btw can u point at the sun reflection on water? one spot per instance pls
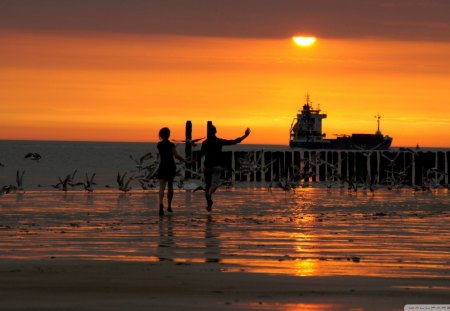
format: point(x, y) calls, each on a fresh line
point(307, 267)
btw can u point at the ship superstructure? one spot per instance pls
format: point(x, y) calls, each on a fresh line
point(306, 132)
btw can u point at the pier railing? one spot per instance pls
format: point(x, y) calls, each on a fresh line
point(391, 167)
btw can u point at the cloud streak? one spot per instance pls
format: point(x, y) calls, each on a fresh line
point(392, 19)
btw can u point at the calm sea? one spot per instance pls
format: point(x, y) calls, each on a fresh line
point(60, 158)
point(308, 232)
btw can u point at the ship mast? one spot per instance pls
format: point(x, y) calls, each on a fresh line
point(378, 124)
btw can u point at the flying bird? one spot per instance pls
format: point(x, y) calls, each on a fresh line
point(140, 162)
point(193, 142)
point(19, 180)
point(8, 189)
point(64, 183)
point(33, 156)
point(89, 185)
point(123, 186)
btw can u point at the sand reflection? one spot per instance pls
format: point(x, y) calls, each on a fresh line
point(212, 241)
point(310, 232)
point(166, 246)
point(298, 307)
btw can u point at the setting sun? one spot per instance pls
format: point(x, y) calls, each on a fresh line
point(304, 41)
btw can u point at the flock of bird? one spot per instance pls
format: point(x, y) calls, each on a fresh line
point(146, 166)
point(144, 172)
point(432, 178)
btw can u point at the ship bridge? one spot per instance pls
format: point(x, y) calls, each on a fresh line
point(308, 124)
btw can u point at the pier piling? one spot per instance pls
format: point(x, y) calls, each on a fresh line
point(188, 147)
point(386, 167)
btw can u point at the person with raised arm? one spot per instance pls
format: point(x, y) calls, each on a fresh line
point(212, 150)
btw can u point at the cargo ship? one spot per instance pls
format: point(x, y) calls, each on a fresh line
point(306, 133)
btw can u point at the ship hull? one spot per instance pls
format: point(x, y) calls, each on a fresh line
point(356, 141)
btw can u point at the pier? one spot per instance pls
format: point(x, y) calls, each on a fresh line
point(389, 167)
point(393, 167)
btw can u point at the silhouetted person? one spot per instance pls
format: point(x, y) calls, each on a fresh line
point(212, 150)
point(167, 168)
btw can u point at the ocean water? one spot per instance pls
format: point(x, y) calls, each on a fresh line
point(105, 159)
point(60, 158)
point(307, 231)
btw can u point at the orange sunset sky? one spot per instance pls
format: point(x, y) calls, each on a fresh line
point(105, 71)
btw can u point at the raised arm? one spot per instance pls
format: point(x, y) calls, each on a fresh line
point(237, 140)
point(247, 132)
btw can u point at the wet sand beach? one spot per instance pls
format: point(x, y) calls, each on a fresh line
point(79, 285)
point(309, 249)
